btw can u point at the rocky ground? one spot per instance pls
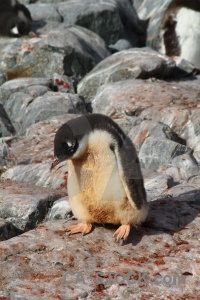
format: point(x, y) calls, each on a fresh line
point(90, 56)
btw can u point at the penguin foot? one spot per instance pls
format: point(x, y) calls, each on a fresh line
point(80, 227)
point(122, 232)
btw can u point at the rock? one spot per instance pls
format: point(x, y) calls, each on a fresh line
point(7, 230)
point(9, 52)
point(112, 20)
point(22, 85)
point(40, 174)
point(181, 168)
point(34, 162)
point(47, 1)
point(106, 22)
point(12, 53)
point(192, 133)
point(31, 104)
point(196, 152)
point(185, 67)
point(175, 104)
point(25, 2)
point(166, 245)
point(147, 128)
point(156, 184)
point(127, 123)
point(30, 206)
point(2, 78)
point(60, 210)
point(39, 139)
point(187, 190)
point(6, 127)
point(168, 27)
point(127, 64)
point(155, 99)
point(155, 152)
point(74, 49)
point(120, 45)
point(45, 12)
point(41, 1)
point(135, 30)
point(49, 105)
point(4, 153)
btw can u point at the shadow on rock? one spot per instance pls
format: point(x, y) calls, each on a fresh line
point(168, 215)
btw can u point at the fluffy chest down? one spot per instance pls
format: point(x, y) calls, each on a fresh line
point(94, 185)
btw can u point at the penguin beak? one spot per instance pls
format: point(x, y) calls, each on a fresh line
point(55, 163)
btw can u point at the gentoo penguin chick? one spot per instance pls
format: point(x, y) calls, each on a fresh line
point(15, 18)
point(105, 183)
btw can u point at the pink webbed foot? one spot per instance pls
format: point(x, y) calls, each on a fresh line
point(122, 232)
point(83, 228)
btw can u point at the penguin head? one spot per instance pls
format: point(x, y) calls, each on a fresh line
point(70, 141)
point(65, 144)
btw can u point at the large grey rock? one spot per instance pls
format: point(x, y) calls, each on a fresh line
point(51, 104)
point(155, 152)
point(25, 85)
point(175, 104)
point(25, 205)
point(168, 27)
point(74, 49)
point(45, 12)
point(40, 174)
point(127, 64)
point(28, 104)
point(112, 20)
point(9, 51)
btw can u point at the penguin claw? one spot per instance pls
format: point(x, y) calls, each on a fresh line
point(83, 228)
point(122, 232)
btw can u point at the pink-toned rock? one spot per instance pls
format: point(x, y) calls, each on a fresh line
point(128, 64)
point(162, 256)
point(38, 144)
point(175, 104)
point(33, 164)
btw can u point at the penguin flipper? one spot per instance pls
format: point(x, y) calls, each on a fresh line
point(130, 174)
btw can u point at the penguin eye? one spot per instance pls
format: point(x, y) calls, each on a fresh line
point(69, 144)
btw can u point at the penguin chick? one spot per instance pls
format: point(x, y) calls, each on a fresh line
point(105, 183)
point(15, 18)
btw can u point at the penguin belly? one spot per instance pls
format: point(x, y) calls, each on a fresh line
point(96, 192)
